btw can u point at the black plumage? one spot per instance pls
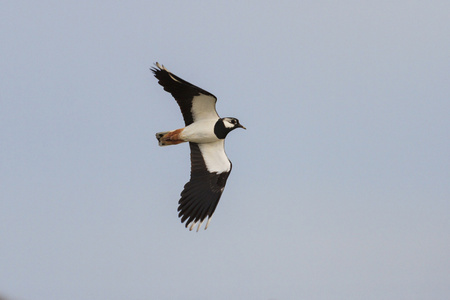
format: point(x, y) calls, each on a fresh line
point(181, 90)
point(202, 193)
point(205, 131)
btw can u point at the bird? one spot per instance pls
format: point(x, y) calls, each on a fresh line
point(205, 132)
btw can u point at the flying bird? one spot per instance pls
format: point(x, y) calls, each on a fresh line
point(205, 131)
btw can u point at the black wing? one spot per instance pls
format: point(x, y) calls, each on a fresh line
point(195, 103)
point(202, 193)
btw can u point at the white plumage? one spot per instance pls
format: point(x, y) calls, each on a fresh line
point(205, 131)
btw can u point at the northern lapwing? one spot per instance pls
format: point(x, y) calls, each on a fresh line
point(205, 131)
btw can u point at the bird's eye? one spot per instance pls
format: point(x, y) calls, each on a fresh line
point(233, 121)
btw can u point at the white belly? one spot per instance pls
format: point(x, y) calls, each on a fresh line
point(200, 132)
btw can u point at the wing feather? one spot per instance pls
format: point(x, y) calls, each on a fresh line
point(195, 103)
point(202, 193)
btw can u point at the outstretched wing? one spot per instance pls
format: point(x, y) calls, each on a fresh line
point(210, 168)
point(195, 103)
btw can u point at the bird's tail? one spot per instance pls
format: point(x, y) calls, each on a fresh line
point(159, 137)
point(167, 138)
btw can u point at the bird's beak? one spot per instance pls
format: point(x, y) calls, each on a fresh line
point(242, 127)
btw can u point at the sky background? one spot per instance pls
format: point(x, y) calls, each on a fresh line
point(340, 186)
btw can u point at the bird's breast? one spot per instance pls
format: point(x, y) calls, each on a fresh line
point(200, 132)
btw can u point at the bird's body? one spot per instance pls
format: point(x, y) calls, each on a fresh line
point(198, 132)
point(205, 131)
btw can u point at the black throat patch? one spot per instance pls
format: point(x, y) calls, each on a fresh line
point(220, 130)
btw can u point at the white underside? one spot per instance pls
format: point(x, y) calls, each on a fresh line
point(215, 157)
point(212, 148)
point(200, 132)
point(203, 108)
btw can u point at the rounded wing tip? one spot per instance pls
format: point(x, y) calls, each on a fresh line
point(198, 223)
point(161, 67)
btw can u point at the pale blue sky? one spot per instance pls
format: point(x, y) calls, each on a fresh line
point(340, 187)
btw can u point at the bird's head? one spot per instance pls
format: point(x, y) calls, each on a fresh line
point(225, 125)
point(232, 123)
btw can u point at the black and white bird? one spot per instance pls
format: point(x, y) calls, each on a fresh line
point(205, 131)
